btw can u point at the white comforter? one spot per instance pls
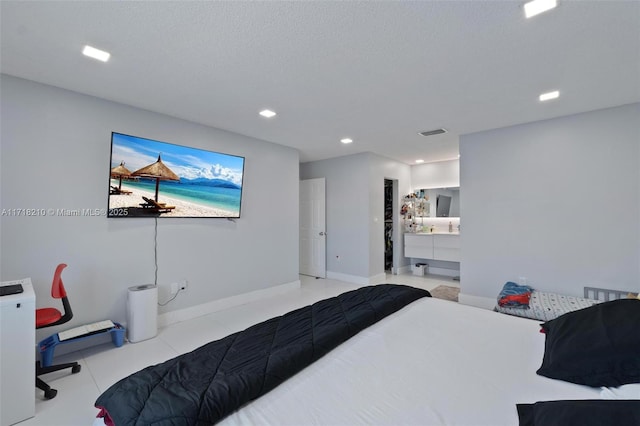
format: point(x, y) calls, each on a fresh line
point(432, 363)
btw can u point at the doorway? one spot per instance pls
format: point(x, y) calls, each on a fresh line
point(312, 228)
point(388, 225)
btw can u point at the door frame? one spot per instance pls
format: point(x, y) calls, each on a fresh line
point(313, 240)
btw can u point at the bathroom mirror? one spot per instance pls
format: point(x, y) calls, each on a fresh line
point(444, 202)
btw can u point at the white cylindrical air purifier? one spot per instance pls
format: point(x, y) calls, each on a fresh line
point(142, 312)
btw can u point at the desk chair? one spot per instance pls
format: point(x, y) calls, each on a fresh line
point(48, 317)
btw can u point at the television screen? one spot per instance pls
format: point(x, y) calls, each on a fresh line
point(149, 178)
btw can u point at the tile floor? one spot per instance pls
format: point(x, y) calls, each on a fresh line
point(103, 365)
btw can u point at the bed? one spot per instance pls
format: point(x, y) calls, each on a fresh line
point(436, 362)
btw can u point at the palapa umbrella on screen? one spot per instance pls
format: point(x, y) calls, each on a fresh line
point(158, 171)
point(118, 172)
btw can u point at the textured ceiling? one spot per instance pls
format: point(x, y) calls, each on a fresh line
point(378, 72)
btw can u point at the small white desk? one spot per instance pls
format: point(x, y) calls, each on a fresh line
point(17, 355)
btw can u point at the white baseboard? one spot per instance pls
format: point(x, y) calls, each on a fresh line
point(180, 315)
point(356, 279)
point(477, 301)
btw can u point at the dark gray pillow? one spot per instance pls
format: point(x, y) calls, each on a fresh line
point(583, 413)
point(596, 346)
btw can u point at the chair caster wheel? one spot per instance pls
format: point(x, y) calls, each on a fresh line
point(75, 369)
point(50, 394)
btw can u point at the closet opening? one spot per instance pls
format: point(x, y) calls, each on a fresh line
point(388, 225)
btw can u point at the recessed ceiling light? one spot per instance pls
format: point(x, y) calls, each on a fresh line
point(420, 161)
point(549, 95)
point(346, 140)
point(267, 113)
point(536, 7)
point(94, 53)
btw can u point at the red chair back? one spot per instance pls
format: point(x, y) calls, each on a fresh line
point(57, 287)
point(46, 317)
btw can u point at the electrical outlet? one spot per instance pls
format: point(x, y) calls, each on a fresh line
point(522, 280)
point(338, 258)
point(179, 286)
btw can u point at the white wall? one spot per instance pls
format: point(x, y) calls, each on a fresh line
point(556, 201)
point(55, 154)
point(347, 211)
point(382, 168)
point(355, 213)
point(440, 174)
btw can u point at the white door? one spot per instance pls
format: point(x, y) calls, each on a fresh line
point(312, 228)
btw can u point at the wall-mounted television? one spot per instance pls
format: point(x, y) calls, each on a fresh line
point(150, 178)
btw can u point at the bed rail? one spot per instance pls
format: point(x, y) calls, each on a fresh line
point(604, 294)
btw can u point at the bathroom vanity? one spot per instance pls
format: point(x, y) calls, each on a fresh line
point(435, 246)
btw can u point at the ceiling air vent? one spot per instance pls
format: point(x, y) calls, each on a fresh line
point(433, 132)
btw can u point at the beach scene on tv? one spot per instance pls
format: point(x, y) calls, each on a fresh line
point(150, 178)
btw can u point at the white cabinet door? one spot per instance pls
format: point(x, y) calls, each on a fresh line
point(312, 228)
point(446, 247)
point(17, 359)
point(418, 246)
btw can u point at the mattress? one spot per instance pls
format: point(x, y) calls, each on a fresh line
point(545, 306)
point(433, 363)
point(206, 384)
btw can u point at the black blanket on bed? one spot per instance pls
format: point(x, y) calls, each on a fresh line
point(204, 386)
point(588, 412)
